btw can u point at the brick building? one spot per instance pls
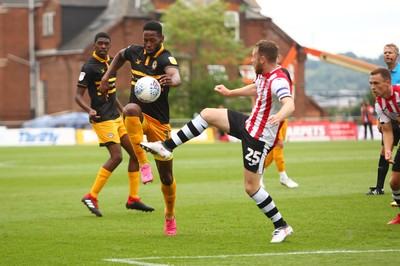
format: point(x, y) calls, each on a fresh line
point(43, 44)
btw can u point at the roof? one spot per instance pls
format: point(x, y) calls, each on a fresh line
point(74, 17)
point(19, 3)
point(96, 19)
point(253, 10)
point(82, 19)
point(84, 3)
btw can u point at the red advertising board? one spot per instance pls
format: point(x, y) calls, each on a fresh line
point(321, 131)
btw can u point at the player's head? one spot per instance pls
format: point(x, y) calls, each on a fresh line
point(153, 26)
point(102, 35)
point(264, 52)
point(380, 82)
point(152, 36)
point(102, 44)
point(390, 53)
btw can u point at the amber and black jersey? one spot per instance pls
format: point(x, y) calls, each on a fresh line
point(90, 78)
point(142, 65)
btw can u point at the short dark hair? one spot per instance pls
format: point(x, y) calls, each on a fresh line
point(153, 25)
point(384, 72)
point(269, 49)
point(101, 35)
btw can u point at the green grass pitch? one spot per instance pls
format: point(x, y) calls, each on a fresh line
point(43, 222)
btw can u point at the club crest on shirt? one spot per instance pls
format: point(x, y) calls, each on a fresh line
point(82, 76)
point(154, 65)
point(138, 62)
point(172, 60)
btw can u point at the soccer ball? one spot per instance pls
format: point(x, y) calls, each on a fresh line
point(147, 89)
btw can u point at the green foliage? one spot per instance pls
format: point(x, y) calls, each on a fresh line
point(191, 97)
point(203, 40)
point(43, 222)
point(325, 77)
point(204, 35)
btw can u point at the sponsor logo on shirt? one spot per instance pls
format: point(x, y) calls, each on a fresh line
point(82, 76)
point(172, 60)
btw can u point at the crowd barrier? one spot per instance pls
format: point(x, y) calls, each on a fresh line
point(296, 131)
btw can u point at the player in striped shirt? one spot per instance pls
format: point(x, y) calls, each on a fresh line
point(387, 107)
point(258, 131)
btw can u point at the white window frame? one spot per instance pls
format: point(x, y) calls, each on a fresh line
point(218, 72)
point(48, 23)
point(232, 21)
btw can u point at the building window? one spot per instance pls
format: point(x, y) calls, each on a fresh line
point(48, 23)
point(218, 72)
point(232, 23)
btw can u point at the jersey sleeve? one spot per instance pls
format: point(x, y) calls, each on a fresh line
point(382, 117)
point(84, 76)
point(128, 53)
point(281, 88)
point(169, 61)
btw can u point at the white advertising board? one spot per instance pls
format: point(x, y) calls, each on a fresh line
point(37, 136)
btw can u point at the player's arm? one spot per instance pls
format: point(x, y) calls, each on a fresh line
point(117, 63)
point(171, 78)
point(387, 135)
point(80, 91)
point(120, 106)
point(248, 90)
point(286, 110)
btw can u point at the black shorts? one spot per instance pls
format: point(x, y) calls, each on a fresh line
point(254, 151)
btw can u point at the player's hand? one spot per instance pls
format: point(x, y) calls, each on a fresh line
point(274, 120)
point(165, 80)
point(379, 126)
point(103, 88)
point(388, 157)
point(221, 89)
point(93, 115)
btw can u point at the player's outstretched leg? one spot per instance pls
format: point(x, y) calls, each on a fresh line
point(189, 131)
point(281, 233)
point(157, 148)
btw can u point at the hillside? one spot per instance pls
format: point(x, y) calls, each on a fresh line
point(336, 86)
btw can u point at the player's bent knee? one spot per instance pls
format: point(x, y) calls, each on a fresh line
point(205, 113)
point(132, 109)
point(210, 115)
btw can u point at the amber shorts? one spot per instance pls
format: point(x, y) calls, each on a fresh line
point(155, 131)
point(110, 131)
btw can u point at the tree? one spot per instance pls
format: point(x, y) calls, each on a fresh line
point(197, 32)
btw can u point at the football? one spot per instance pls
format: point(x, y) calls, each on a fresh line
point(147, 89)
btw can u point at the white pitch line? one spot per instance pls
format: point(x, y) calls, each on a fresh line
point(138, 261)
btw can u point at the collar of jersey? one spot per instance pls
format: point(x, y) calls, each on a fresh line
point(267, 75)
point(158, 52)
point(101, 60)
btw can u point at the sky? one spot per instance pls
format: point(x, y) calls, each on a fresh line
point(359, 26)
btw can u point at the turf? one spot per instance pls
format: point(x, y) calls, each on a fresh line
point(43, 222)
